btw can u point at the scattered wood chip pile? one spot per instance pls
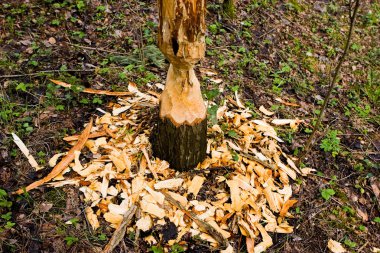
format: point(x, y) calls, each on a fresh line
point(243, 185)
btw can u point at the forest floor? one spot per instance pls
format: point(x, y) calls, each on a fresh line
point(270, 49)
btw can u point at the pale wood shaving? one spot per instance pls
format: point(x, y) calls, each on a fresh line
point(20, 144)
point(196, 185)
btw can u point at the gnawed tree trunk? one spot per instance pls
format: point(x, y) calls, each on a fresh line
point(180, 136)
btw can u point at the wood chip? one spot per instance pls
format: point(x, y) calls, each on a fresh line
point(237, 203)
point(265, 111)
point(20, 144)
point(92, 218)
point(144, 223)
point(168, 184)
point(152, 209)
point(196, 185)
point(288, 204)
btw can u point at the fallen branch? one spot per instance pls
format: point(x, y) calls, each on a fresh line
point(202, 224)
point(63, 163)
point(332, 83)
point(98, 49)
point(119, 233)
point(93, 91)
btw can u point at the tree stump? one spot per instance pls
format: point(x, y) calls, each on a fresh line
point(181, 133)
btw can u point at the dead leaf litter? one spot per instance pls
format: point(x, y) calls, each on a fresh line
point(254, 197)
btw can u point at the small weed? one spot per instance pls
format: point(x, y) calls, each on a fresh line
point(211, 94)
point(70, 240)
point(327, 193)
point(80, 5)
point(176, 248)
point(5, 206)
point(331, 143)
point(102, 237)
point(232, 134)
point(156, 249)
point(97, 100)
point(74, 221)
point(213, 28)
point(212, 110)
point(23, 86)
point(350, 243)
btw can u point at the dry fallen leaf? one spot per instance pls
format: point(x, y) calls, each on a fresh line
point(335, 247)
point(45, 207)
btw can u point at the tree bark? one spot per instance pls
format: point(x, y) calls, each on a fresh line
point(180, 135)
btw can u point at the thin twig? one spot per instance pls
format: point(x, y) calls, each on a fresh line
point(332, 84)
point(47, 72)
point(54, 71)
point(98, 49)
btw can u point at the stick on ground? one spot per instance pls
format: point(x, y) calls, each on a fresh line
point(119, 233)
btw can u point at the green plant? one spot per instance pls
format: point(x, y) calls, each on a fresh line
point(211, 94)
point(327, 193)
point(331, 143)
point(97, 100)
point(70, 240)
point(23, 86)
point(102, 237)
point(212, 110)
point(176, 248)
point(5, 206)
point(350, 243)
point(213, 28)
point(372, 86)
point(157, 249)
point(55, 22)
point(4, 202)
point(80, 5)
point(232, 134)
point(74, 221)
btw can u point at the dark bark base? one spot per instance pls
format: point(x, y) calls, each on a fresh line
point(183, 147)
